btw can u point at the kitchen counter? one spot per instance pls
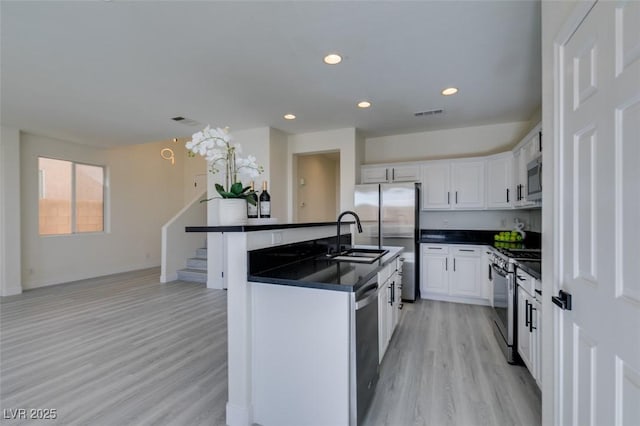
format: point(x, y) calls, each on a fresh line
point(322, 273)
point(474, 237)
point(532, 268)
point(262, 227)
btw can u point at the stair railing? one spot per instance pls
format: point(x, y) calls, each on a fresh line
point(178, 245)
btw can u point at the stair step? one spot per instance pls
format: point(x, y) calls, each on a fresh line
point(197, 263)
point(201, 253)
point(192, 275)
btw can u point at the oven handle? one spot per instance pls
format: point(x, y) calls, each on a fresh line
point(498, 270)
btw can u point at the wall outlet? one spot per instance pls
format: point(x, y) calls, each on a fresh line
point(445, 223)
point(276, 237)
point(503, 223)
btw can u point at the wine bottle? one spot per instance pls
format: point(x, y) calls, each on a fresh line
point(265, 201)
point(252, 204)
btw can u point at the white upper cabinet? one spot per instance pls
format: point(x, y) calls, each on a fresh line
point(526, 151)
point(467, 184)
point(457, 184)
point(500, 193)
point(387, 174)
point(436, 191)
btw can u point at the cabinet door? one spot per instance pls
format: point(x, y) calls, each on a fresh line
point(383, 337)
point(374, 175)
point(536, 343)
point(499, 182)
point(435, 186)
point(524, 335)
point(467, 184)
point(434, 273)
point(405, 174)
point(466, 276)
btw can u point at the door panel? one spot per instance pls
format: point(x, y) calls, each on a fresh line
point(596, 225)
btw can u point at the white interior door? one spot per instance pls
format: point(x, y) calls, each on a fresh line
point(596, 223)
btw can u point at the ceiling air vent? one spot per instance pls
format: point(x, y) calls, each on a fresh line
point(186, 121)
point(430, 112)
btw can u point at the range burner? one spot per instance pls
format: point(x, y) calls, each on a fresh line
point(525, 254)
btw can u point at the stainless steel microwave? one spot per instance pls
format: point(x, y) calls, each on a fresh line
point(534, 180)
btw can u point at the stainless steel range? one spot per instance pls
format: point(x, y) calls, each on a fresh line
point(503, 268)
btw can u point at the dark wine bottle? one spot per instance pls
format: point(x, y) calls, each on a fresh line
point(265, 201)
point(252, 204)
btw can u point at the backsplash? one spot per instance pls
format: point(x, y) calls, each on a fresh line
point(481, 219)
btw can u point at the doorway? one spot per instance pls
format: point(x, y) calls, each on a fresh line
point(316, 186)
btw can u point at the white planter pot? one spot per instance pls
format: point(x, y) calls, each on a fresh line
point(229, 211)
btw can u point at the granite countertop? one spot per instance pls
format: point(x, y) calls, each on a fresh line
point(262, 227)
point(322, 273)
point(474, 237)
point(531, 267)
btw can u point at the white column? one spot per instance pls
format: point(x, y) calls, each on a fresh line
point(10, 249)
point(239, 405)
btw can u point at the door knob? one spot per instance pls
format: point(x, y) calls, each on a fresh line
point(562, 300)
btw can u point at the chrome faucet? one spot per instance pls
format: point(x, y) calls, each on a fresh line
point(340, 220)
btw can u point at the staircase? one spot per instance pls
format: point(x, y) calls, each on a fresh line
point(196, 270)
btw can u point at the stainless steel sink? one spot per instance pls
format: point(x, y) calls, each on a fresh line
point(359, 255)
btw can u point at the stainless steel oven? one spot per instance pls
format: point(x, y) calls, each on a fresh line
point(504, 306)
point(364, 366)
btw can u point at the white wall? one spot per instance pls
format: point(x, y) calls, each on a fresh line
point(10, 271)
point(342, 140)
point(144, 192)
point(278, 173)
point(480, 219)
point(193, 166)
point(450, 143)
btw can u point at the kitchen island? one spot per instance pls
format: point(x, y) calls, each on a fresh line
point(292, 323)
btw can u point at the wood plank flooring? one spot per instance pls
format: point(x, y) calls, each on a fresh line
point(444, 367)
point(117, 350)
point(127, 350)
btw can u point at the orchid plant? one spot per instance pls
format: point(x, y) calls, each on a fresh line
point(221, 155)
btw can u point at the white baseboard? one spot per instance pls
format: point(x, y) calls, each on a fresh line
point(238, 415)
point(455, 299)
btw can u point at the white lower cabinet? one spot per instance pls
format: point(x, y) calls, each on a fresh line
point(529, 332)
point(389, 302)
point(453, 273)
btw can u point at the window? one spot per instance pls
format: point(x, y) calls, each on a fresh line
point(71, 197)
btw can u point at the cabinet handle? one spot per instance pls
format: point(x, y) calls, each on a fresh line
point(454, 264)
point(393, 174)
point(540, 141)
point(531, 309)
point(446, 263)
point(456, 197)
point(519, 194)
point(434, 248)
point(527, 321)
point(471, 250)
point(386, 174)
point(448, 197)
point(391, 294)
point(490, 275)
point(507, 195)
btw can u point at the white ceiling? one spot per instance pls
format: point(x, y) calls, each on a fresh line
point(110, 73)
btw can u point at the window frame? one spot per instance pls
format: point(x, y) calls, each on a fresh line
point(105, 186)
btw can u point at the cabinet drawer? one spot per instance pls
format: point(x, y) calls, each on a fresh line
point(467, 251)
point(435, 249)
point(526, 281)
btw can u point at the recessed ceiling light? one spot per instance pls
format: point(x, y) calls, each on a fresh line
point(449, 91)
point(289, 117)
point(364, 104)
point(332, 59)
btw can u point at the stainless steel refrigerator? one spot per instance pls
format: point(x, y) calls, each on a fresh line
point(390, 216)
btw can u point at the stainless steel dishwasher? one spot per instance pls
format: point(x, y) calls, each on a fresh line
point(364, 367)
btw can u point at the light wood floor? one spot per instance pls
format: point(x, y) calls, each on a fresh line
point(126, 349)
